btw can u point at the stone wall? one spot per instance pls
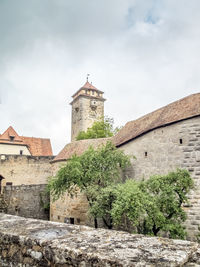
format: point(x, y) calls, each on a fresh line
point(29, 242)
point(157, 152)
point(19, 169)
point(164, 150)
point(30, 201)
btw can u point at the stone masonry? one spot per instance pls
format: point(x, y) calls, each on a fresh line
point(30, 201)
point(87, 107)
point(165, 149)
point(21, 169)
point(41, 243)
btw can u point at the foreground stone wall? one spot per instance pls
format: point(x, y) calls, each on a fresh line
point(29, 201)
point(19, 169)
point(29, 242)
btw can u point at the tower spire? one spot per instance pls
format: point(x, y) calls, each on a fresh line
point(87, 77)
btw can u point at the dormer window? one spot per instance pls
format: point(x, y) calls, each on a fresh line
point(12, 138)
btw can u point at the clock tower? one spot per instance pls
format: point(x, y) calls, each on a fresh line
point(87, 107)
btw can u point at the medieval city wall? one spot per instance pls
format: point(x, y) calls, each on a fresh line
point(27, 170)
point(29, 242)
point(164, 150)
point(157, 152)
point(69, 209)
point(30, 201)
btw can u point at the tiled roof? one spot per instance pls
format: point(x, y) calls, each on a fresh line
point(8, 134)
point(36, 146)
point(88, 85)
point(78, 147)
point(182, 109)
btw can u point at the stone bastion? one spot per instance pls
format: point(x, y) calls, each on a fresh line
point(30, 242)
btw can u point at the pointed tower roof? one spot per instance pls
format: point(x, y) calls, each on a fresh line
point(10, 135)
point(88, 90)
point(88, 85)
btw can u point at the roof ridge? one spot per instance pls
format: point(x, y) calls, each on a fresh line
point(181, 109)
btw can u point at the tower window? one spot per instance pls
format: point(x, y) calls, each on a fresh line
point(92, 92)
point(21, 152)
point(145, 153)
point(71, 220)
point(181, 141)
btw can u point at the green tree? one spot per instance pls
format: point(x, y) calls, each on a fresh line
point(89, 173)
point(100, 129)
point(154, 206)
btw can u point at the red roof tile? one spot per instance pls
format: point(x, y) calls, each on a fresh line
point(9, 134)
point(78, 147)
point(88, 85)
point(36, 146)
point(182, 109)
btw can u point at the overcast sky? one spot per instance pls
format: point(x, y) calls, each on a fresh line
point(143, 54)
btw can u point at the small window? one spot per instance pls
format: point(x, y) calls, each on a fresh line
point(78, 220)
point(21, 152)
point(71, 220)
point(12, 138)
point(181, 141)
point(145, 153)
point(58, 217)
point(92, 92)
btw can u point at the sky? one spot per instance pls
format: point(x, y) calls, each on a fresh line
point(143, 54)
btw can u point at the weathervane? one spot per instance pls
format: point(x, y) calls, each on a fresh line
point(87, 77)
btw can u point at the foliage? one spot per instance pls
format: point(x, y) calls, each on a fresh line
point(100, 129)
point(90, 172)
point(154, 206)
point(103, 204)
point(198, 235)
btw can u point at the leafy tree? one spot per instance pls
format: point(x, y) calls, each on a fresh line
point(154, 206)
point(100, 129)
point(103, 204)
point(89, 173)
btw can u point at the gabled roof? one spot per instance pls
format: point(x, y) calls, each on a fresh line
point(11, 136)
point(78, 147)
point(10, 132)
point(36, 146)
point(180, 110)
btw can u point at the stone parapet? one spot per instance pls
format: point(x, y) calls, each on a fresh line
point(29, 242)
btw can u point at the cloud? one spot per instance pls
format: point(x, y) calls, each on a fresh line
point(143, 54)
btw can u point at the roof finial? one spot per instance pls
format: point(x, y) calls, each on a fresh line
point(87, 77)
